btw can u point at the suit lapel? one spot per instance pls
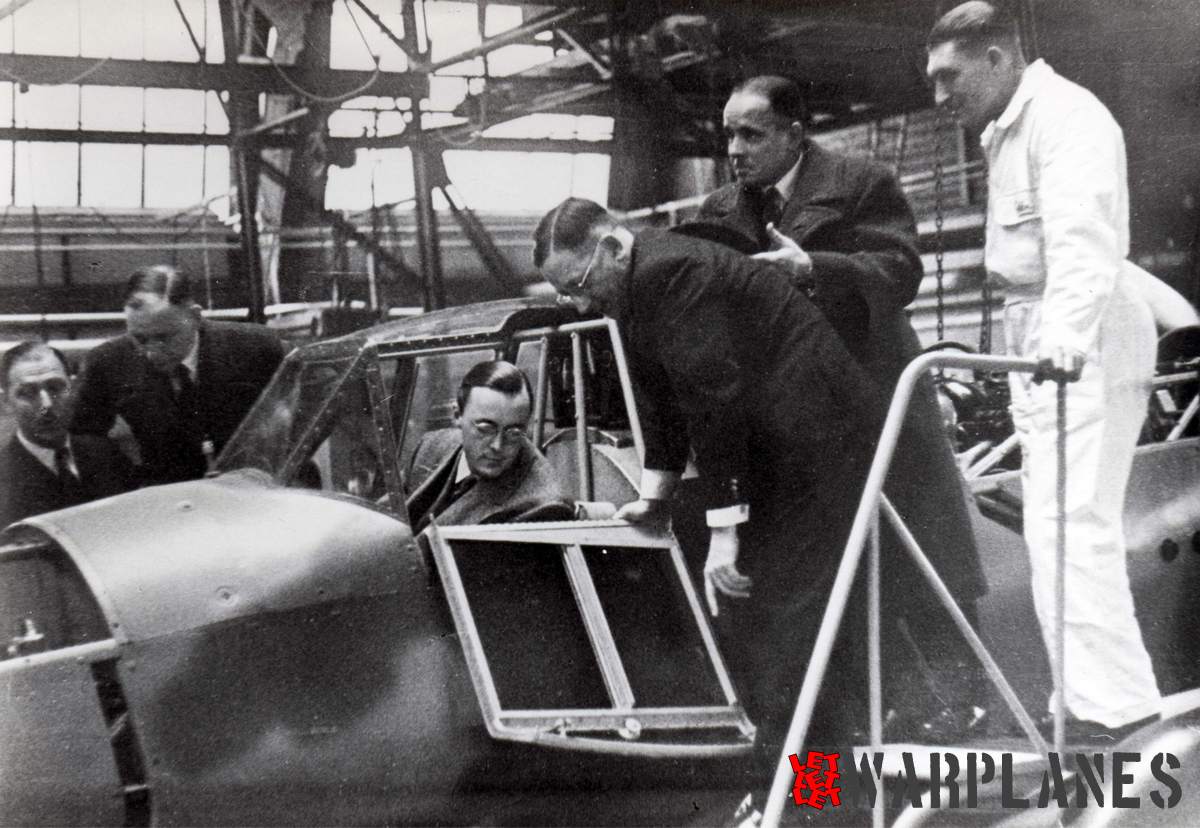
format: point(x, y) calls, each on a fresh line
point(37, 486)
point(434, 486)
point(812, 204)
point(210, 356)
point(487, 497)
point(743, 214)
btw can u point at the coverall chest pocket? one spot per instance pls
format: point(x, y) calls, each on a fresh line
point(1015, 247)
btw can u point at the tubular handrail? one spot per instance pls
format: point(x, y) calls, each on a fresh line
point(865, 521)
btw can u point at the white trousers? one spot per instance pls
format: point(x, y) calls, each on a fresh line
point(1108, 676)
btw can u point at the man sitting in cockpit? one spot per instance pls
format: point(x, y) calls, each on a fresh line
point(485, 469)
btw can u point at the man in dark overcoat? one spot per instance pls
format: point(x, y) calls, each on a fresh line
point(729, 358)
point(842, 227)
point(182, 383)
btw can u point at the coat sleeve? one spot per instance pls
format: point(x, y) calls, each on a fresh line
point(664, 428)
point(697, 348)
point(1081, 177)
point(95, 409)
point(879, 263)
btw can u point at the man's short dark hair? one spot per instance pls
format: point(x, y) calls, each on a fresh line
point(166, 281)
point(783, 95)
point(497, 375)
point(23, 350)
point(975, 24)
point(567, 226)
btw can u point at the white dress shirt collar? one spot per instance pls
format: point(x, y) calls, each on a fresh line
point(787, 185)
point(192, 360)
point(462, 471)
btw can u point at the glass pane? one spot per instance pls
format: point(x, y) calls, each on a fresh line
point(452, 28)
point(653, 627)
point(6, 171)
point(53, 107)
point(287, 412)
point(174, 110)
point(346, 48)
point(6, 104)
point(111, 107)
point(589, 176)
point(532, 632)
point(603, 395)
point(509, 60)
point(388, 171)
point(217, 180)
point(173, 176)
point(47, 173)
point(47, 29)
point(214, 114)
point(347, 461)
point(164, 35)
point(112, 175)
point(112, 28)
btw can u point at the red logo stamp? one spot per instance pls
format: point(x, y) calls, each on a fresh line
point(815, 780)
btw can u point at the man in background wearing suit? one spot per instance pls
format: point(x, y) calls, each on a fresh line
point(842, 228)
point(182, 383)
point(43, 468)
point(485, 470)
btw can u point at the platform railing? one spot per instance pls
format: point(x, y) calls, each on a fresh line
point(864, 531)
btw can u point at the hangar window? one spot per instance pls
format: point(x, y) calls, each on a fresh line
point(590, 633)
point(45, 604)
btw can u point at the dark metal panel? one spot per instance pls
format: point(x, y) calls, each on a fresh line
point(347, 712)
point(56, 764)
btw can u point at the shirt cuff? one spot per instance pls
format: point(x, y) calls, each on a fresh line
point(657, 484)
point(727, 516)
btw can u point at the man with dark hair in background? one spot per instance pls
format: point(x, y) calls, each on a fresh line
point(43, 468)
point(1057, 238)
point(485, 469)
point(182, 383)
point(728, 358)
point(843, 229)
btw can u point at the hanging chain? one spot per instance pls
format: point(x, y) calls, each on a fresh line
point(938, 221)
point(985, 322)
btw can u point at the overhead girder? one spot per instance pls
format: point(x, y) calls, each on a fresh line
point(236, 77)
point(286, 140)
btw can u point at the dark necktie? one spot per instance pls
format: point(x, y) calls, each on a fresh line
point(461, 488)
point(70, 485)
point(449, 494)
point(185, 389)
point(185, 400)
point(772, 209)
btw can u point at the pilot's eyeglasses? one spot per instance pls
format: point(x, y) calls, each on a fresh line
point(569, 289)
point(488, 431)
